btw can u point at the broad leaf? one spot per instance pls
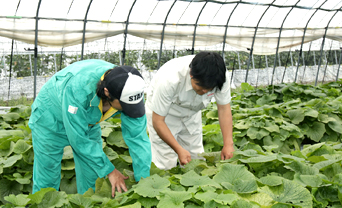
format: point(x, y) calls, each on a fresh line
point(18, 200)
point(151, 186)
point(173, 199)
point(21, 147)
point(80, 200)
point(296, 115)
point(219, 198)
point(290, 193)
point(115, 138)
point(191, 178)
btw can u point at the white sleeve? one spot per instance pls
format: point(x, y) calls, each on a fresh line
point(223, 96)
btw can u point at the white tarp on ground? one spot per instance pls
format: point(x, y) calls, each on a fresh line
point(61, 24)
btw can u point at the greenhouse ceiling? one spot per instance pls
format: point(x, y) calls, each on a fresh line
point(260, 27)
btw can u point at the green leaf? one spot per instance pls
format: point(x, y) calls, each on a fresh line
point(245, 87)
point(260, 159)
point(9, 187)
point(324, 164)
point(11, 133)
point(324, 118)
point(111, 154)
point(219, 198)
point(151, 186)
point(271, 126)
point(212, 115)
point(115, 138)
point(290, 193)
point(68, 154)
point(10, 116)
point(271, 180)
point(236, 177)
point(211, 157)
point(68, 164)
point(311, 112)
point(242, 124)
point(308, 180)
point(11, 160)
point(18, 200)
point(266, 99)
point(191, 178)
point(316, 131)
point(336, 126)
point(302, 168)
point(37, 197)
point(308, 150)
point(106, 131)
point(211, 129)
point(126, 158)
point(7, 151)
point(21, 147)
point(257, 133)
point(80, 200)
point(135, 205)
point(148, 202)
point(241, 204)
point(53, 199)
point(103, 188)
point(26, 179)
point(263, 199)
point(242, 186)
point(68, 185)
point(296, 115)
point(173, 199)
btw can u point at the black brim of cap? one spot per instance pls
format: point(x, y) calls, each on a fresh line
point(133, 110)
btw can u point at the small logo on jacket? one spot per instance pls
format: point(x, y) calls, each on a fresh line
point(72, 109)
point(210, 94)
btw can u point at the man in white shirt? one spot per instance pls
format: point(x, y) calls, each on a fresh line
point(180, 89)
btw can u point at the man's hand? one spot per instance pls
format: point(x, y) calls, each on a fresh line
point(227, 152)
point(118, 181)
point(184, 156)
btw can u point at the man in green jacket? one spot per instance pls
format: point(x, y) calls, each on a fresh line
point(68, 110)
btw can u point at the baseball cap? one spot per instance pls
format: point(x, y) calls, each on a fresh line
point(126, 84)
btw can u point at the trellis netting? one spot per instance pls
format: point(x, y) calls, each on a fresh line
point(263, 42)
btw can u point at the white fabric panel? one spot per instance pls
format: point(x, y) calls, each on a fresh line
point(61, 22)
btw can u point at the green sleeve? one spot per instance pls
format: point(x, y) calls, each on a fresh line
point(135, 136)
point(86, 141)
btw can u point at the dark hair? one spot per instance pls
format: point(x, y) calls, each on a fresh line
point(208, 69)
point(100, 88)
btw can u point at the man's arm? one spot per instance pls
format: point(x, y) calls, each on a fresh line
point(165, 134)
point(226, 124)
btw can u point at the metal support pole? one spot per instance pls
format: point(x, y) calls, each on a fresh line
point(84, 28)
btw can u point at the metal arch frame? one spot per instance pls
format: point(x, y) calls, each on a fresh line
point(226, 26)
point(36, 52)
point(84, 28)
point(256, 29)
point(301, 46)
point(225, 38)
point(11, 60)
point(194, 35)
point(125, 34)
point(327, 60)
point(339, 65)
point(280, 30)
point(162, 37)
point(324, 36)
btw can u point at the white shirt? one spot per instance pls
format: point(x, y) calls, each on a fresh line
point(171, 93)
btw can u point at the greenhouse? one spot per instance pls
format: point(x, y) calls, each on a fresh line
point(284, 61)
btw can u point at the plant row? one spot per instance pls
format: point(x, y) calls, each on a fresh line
point(288, 154)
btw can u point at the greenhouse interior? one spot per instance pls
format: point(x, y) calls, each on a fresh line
point(284, 54)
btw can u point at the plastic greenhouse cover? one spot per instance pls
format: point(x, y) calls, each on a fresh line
point(263, 25)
